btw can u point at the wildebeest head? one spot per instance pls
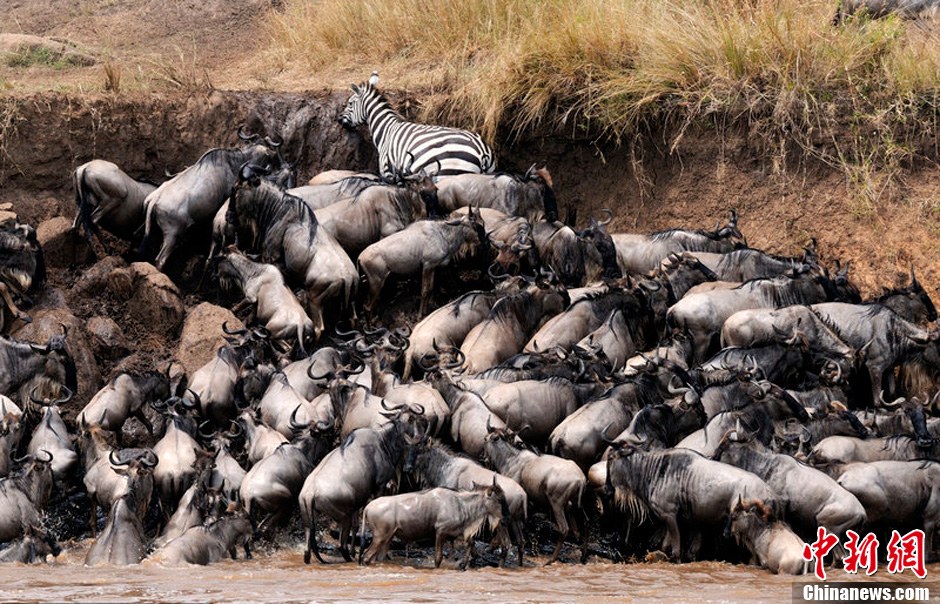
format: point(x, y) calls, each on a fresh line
point(730, 232)
point(58, 366)
point(748, 516)
point(596, 235)
point(540, 177)
point(912, 302)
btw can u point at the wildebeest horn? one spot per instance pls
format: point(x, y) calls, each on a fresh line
point(294, 424)
point(489, 427)
point(914, 282)
point(397, 408)
point(884, 403)
point(458, 361)
point(202, 425)
point(272, 143)
point(116, 461)
point(150, 459)
point(329, 375)
point(673, 390)
point(236, 332)
point(246, 137)
point(604, 436)
point(494, 276)
point(610, 217)
point(197, 402)
point(32, 397)
point(416, 409)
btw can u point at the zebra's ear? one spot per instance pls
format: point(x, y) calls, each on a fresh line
point(354, 88)
point(374, 78)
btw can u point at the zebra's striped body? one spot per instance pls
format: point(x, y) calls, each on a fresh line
point(408, 148)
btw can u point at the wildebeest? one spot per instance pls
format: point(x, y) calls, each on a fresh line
point(377, 212)
point(548, 481)
point(177, 451)
point(703, 313)
point(53, 436)
point(748, 263)
point(680, 485)
point(420, 247)
point(106, 197)
point(771, 542)
point(350, 475)
point(285, 231)
point(469, 415)
point(34, 546)
point(208, 543)
point(435, 465)
point(511, 322)
point(898, 493)
point(272, 484)
point(22, 270)
point(446, 327)
point(275, 305)
point(529, 195)
point(886, 337)
point(193, 196)
point(25, 365)
point(23, 496)
point(11, 431)
point(812, 498)
point(642, 253)
point(123, 541)
point(126, 395)
point(443, 513)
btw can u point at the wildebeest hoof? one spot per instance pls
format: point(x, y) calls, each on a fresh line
point(657, 556)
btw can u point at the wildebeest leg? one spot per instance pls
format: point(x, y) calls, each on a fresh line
point(671, 544)
point(247, 546)
point(438, 549)
point(518, 535)
point(344, 528)
point(169, 244)
point(93, 510)
point(561, 525)
point(468, 555)
point(8, 300)
point(427, 284)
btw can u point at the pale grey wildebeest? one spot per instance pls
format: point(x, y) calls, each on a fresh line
point(285, 231)
point(638, 253)
point(192, 197)
point(421, 247)
point(108, 198)
point(275, 305)
point(441, 512)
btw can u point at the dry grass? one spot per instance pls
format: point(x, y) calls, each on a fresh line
point(857, 95)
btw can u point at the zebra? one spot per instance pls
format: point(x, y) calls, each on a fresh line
point(408, 148)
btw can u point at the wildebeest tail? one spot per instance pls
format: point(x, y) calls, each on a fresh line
point(82, 196)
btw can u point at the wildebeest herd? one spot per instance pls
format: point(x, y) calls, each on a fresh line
point(676, 392)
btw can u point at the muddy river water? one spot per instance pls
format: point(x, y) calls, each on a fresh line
point(282, 577)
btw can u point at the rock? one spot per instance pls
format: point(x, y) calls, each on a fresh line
point(155, 302)
point(61, 245)
point(202, 335)
point(107, 339)
point(48, 323)
point(121, 283)
point(97, 277)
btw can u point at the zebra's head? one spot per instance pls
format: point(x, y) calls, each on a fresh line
point(354, 114)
